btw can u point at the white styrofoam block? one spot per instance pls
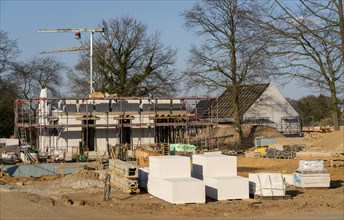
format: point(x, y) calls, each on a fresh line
point(177, 190)
point(312, 180)
point(157, 187)
point(229, 187)
point(266, 184)
point(169, 166)
point(143, 177)
point(214, 165)
point(187, 190)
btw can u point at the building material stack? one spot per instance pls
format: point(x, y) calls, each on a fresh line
point(311, 173)
point(219, 173)
point(124, 174)
point(267, 184)
point(170, 180)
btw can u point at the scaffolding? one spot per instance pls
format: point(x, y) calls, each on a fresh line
point(159, 121)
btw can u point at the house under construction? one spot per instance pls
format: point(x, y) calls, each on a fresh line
point(97, 123)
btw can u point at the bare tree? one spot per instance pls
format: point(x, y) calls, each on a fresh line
point(310, 45)
point(234, 50)
point(8, 53)
point(38, 73)
point(128, 61)
point(8, 96)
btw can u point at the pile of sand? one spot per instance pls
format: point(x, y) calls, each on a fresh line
point(256, 131)
point(261, 131)
point(227, 135)
point(81, 179)
point(294, 141)
point(252, 165)
point(333, 141)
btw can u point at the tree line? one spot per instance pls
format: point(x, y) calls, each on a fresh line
point(243, 42)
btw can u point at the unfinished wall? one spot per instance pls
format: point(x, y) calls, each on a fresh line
point(276, 110)
point(65, 121)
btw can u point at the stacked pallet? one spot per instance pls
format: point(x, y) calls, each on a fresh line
point(312, 173)
point(170, 180)
point(219, 173)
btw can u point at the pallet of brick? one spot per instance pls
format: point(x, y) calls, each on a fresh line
point(266, 184)
point(180, 190)
point(209, 165)
point(226, 187)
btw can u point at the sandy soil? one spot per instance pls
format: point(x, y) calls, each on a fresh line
point(333, 141)
point(80, 196)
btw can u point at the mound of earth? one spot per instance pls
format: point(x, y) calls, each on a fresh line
point(83, 174)
point(226, 135)
point(261, 131)
point(333, 141)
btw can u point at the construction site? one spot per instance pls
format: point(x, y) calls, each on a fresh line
point(107, 157)
point(97, 123)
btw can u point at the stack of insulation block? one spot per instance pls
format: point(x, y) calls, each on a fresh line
point(312, 173)
point(219, 173)
point(267, 184)
point(124, 174)
point(169, 179)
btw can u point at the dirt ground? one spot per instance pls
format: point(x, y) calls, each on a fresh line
point(80, 196)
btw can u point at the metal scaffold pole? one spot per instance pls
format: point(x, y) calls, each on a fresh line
point(91, 62)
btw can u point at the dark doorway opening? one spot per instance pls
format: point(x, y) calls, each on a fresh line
point(88, 134)
point(125, 132)
point(165, 134)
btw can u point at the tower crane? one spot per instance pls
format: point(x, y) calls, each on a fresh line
point(77, 34)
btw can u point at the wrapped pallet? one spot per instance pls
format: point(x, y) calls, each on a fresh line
point(266, 184)
point(312, 173)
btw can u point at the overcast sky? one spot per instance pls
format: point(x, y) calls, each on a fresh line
point(22, 19)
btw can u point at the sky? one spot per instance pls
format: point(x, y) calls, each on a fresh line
point(22, 19)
